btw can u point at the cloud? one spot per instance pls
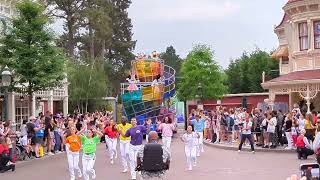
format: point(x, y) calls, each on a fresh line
point(183, 10)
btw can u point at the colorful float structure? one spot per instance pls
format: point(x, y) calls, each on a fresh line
point(150, 88)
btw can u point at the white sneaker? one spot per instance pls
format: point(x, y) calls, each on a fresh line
point(125, 171)
point(253, 152)
point(133, 177)
point(190, 168)
point(94, 175)
point(111, 162)
point(50, 154)
point(80, 174)
point(239, 151)
point(198, 154)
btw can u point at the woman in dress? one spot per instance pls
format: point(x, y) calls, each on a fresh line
point(132, 79)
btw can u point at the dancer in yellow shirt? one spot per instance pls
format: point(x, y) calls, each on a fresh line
point(124, 143)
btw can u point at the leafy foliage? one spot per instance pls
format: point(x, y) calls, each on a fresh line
point(29, 49)
point(79, 91)
point(172, 59)
point(199, 68)
point(245, 74)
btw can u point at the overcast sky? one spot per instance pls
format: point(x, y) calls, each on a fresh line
point(228, 26)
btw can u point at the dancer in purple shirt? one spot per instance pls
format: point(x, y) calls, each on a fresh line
point(136, 133)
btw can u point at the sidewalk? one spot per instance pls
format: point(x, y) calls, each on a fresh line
point(234, 147)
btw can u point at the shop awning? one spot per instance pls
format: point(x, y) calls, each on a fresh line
point(282, 51)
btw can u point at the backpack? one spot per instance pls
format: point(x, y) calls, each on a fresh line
point(152, 158)
point(230, 121)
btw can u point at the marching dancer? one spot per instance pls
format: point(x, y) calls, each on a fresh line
point(73, 143)
point(190, 148)
point(167, 131)
point(124, 143)
point(136, 134)
point(89, 152)
point(198, 125)
point(111, 140)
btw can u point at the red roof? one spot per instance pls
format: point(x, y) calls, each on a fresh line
point(298, 75)
point(292, 1)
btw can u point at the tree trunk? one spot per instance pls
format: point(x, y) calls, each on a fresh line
point(70, 45)
point(103, 49)
point(92, 58)
point(30, 100)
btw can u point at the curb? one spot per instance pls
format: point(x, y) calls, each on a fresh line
point(26, 162)
point(244, 148)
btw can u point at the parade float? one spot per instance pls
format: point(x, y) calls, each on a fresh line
point(149, 90)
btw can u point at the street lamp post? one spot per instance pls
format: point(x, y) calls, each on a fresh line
point(5, 82)
point(199, 96)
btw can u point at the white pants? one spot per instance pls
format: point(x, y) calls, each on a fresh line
point(190, 155)
point(289, 139)
point(73, 161)
point(200, 143)
point(166, 141)
point(112, 146)
point(133, 151)
point(88, 163)
point(124, 151)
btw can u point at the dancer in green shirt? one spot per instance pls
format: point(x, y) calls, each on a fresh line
point(89, 143)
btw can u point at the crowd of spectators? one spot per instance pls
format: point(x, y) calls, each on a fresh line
point(294, 130)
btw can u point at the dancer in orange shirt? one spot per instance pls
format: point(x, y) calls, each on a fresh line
point(73, 144)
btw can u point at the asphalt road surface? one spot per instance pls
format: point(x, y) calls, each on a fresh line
point(214, 164)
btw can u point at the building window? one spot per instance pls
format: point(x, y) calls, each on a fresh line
point(316, 26)
point(285, 60)
point(22, 112)
point(303, 36)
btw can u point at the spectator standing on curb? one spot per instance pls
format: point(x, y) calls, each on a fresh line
point(271, 129)
point(287, 128)
point(246, 133)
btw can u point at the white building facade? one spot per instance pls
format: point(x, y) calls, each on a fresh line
point(298, 55)
point(55, 101)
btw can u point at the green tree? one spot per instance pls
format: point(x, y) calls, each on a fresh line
point(233, 82)
point(29, 50)
point(120, 52)
point(172, 59)
point(260, 61)
point(70, 12)
point(245, 74)
point(199, 68)
point(84, 96)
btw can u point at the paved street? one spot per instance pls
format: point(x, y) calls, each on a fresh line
point(213, 164)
